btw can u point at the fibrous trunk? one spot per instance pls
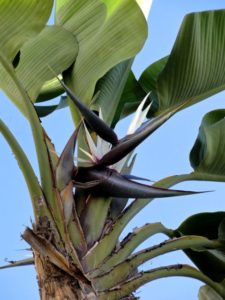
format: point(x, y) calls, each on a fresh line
point(55, 284)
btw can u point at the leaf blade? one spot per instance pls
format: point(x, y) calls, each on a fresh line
point(192, 72)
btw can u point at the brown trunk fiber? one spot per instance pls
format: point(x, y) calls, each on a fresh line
point(55, 284)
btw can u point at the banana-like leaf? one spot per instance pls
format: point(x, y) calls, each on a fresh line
point(82, 18)
point(18, 263)
point(148, 81)
point(207, 155)
point(125, 288)
point(113, 39)
point(43, 111)
point(54, 48)
point(195, 67)
point(21, 20)
point(110, 88)
point(65, 167)
point(131, 141)
point(207, 225)
point(207, 293)
point(98, 125)
point(130, 99)
point(50, 90)
point(25, 166)
point(121, 271)
point(112, 184)
point(128, 245)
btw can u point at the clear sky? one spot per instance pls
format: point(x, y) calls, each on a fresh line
point(165, 153)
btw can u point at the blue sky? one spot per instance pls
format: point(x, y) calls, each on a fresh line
point(165, 153)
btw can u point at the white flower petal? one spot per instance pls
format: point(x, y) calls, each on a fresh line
point(91, 144)
point(139, 116)
point(143, 115)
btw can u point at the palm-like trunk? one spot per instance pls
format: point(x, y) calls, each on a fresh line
point(55, 284)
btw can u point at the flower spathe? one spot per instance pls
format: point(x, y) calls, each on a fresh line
point(98, 150)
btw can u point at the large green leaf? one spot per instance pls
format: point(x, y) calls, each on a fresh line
point(148, 81)
point(207, 293)
point(195, 68)
point(54, 48)
point(46, 110)
point(110, 88)
point(82, 18)
point(207, 225)
point(116, 40)
point(204, 224)
point(130, 99)
point(50, 89)
point(207, 155)
point(20, 20)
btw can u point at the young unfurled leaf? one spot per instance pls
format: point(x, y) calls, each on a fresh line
point(112, 184)
point(65, 166)
point(98, 125)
